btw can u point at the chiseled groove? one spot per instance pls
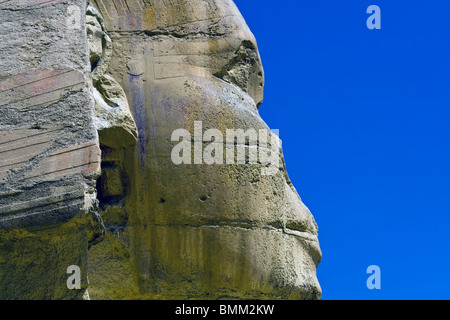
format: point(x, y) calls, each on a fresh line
point(300, 234)
point(40, 94)
point(36, 80)
point(115, 8)
point(61, 170)
point(30, 136)
point(41, 3)
point(105, 11)
point(73, 89)
point(10, 165)
point(274, 226)
point(79, 205)
point(26, 146)
point(32, 6)
point(40, 202)
point(71, 150)
point(128, 7)
point(164, 32)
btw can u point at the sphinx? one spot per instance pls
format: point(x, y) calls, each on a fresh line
point(202, 229)
point(155, 228)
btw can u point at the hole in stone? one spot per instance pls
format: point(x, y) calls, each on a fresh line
point(112, 185)
point(161, 200)
point(94, 65)
point(203, 198)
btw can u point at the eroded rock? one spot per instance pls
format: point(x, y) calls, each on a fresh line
point(198, 230)
point(142, 225)
point(49, 150)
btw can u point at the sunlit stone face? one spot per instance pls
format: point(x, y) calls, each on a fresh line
point(199, 229)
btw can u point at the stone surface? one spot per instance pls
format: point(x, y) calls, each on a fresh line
point(198, 231)
point(138, 224)
point(49, 150)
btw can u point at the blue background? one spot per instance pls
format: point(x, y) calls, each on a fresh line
point(364, 118)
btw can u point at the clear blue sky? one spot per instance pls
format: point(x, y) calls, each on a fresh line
point(364, 118)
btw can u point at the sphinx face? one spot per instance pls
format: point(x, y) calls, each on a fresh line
point(202, 228)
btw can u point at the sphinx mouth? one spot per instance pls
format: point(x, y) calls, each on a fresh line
point(299, 232)
point(309, 239)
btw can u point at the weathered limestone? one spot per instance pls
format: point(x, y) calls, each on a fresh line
point(139, 225)
point(196, 231)
point(49, 151)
